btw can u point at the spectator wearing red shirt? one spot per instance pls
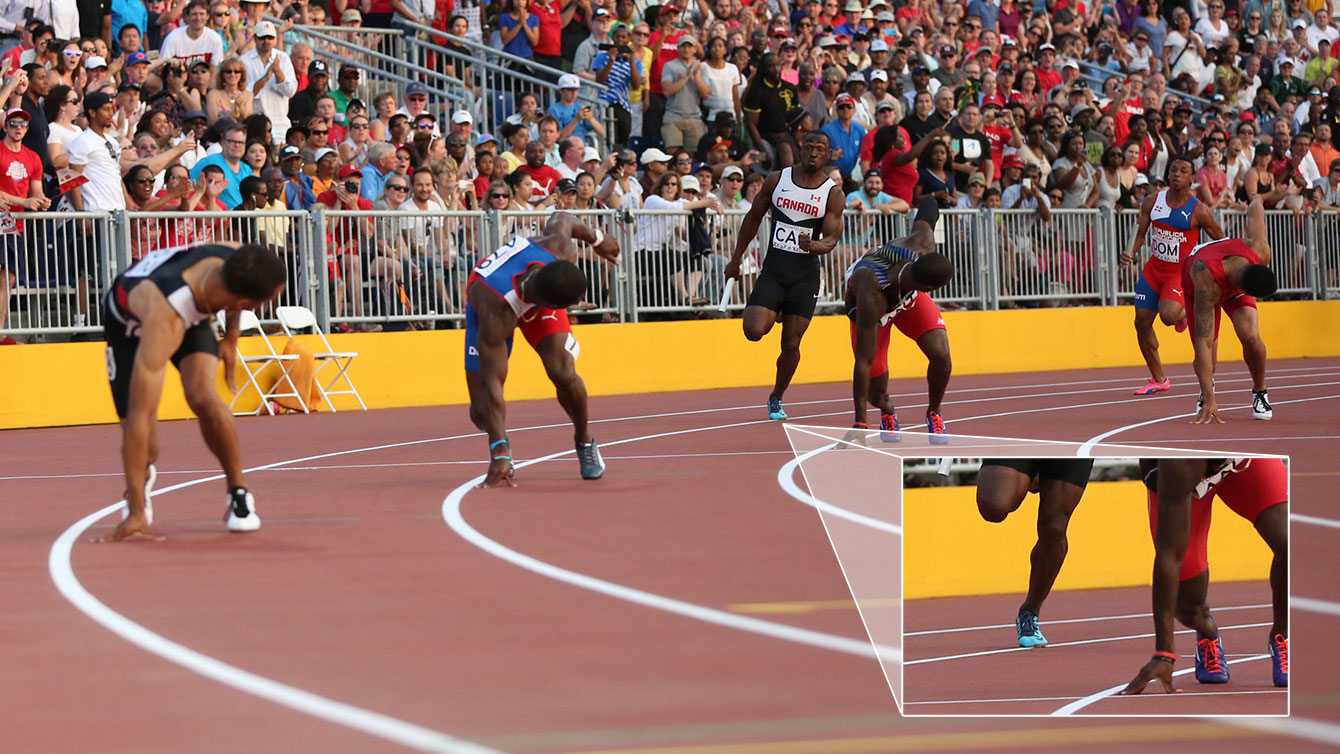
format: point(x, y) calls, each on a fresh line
point(543, 178)
point(345, 237)
point(1000, 129)
point(665, 41)
point(20, 189)
point(1048, 76)
point(553, 15)
point(898, 163)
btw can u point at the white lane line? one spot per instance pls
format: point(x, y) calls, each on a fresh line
point(1096, 439)
point(1314, 605)
point(1072, 698)
point(1104, 640)
point(1096, 619)
point(451, 513)
point(786, 478)
point(369, 722)
point(1080, 704)
point(1303, 519)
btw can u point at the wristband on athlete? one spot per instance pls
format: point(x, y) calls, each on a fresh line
point(1167, 657)
point(860, 425)
point(600, 236)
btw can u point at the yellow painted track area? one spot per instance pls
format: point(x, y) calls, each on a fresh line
point(960, 554)
point(65, 384)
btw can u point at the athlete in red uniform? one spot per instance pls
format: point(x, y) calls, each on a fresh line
point(1181, 492)
point(1229, 274)
point(1178, 219)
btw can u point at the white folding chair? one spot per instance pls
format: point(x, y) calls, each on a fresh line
point(297, 318)
point(255, 365)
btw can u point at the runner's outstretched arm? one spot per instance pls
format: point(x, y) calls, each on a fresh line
point(749, 226)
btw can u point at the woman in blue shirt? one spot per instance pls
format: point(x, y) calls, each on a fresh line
point(933, 176)
point(519, 28)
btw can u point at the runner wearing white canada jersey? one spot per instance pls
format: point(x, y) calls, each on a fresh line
point(804, 203)
point(1177, 218)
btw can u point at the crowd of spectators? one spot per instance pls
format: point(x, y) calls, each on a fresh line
point(196, 105)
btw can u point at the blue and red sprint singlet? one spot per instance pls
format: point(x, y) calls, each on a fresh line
point(501, 269)
point(1171, 235)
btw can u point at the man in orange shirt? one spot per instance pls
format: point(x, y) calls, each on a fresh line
point(1322, 151)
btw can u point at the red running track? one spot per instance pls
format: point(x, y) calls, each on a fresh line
point(357, 591)
point(1098, 639)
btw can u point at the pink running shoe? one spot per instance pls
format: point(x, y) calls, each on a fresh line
point(1152, 387)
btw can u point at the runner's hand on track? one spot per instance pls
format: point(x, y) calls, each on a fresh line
point(500, 470)
point(855, 436)
point(131, 528)
point(1153, 670)
point(1208, 413)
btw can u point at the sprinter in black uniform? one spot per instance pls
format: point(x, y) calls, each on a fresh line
point(804, 202)
point(171, 319)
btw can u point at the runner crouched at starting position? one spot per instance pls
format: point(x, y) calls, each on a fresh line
point(529, 282)
point(162, 309)
point(888, 288)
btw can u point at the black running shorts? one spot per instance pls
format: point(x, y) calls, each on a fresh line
point(199, 338)
point(1072, 470)
point(793, 291)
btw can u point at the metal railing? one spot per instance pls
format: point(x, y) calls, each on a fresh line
point(498, 79)
point(402, 270)
point(385, 67)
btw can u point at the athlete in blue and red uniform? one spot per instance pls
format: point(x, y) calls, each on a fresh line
point(529, 283)
point(1177, 218)
point(887, 288)
point(1229, 274)
point(1181, 493)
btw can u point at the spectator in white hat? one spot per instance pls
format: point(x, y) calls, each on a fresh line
point(576, 118)
point(654, 164)
point(271, 77)
point(685, 88)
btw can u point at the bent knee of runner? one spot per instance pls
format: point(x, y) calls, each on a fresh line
point(993, 507)
point(1172, 313)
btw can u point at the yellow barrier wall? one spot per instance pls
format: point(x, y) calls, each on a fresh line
point(949, 551)
point(65, 383)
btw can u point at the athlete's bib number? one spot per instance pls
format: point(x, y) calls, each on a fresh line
point(492, 262)
point(1165, 245)
point(786, 236)
point(152, 261)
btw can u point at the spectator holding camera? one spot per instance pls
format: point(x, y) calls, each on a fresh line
point(577, 119)
point(685, 89)
point(616, 68)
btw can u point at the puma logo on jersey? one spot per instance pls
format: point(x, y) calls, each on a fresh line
point(472, 351)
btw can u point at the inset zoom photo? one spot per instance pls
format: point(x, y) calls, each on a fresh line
point(1108, 586)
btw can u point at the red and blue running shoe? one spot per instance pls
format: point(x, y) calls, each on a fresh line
point(888, 428)
point(1153, 386)
point(935, 425)
point(1279, 658)
point(1211, 667)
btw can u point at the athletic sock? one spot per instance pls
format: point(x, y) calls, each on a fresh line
point(928, 211)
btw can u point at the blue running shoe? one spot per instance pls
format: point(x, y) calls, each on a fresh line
point(775, 410)
point(1279, 658)
point(888, 428)
point(1211, 667)
point(1030, 633)
point(588, 457)
point(935, 425)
